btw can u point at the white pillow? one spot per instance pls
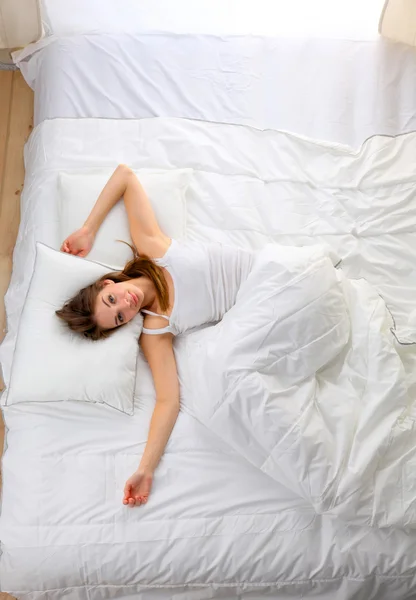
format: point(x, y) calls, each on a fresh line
point(78, 192)
point(52, 363)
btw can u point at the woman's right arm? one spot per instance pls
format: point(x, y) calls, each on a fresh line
point(144, 228)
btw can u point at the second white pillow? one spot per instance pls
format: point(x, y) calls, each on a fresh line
point(79, 190)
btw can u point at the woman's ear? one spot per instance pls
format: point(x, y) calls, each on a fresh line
point(107, 282)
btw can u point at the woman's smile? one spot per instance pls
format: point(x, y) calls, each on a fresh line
point(134, 298)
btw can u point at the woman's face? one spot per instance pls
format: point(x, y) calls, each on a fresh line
point(117, 303)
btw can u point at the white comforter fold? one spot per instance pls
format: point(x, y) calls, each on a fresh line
point(302, 378)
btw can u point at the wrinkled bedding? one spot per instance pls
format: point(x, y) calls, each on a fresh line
point(257, 80)
point(231, 514)
point(302, 378)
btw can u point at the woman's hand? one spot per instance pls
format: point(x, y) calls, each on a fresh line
point(79, 243)
point(137, 488)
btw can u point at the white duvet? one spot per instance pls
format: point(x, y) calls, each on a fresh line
point(270, 482)
point(302, 379)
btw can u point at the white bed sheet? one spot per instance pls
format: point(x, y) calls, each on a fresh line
point(342, 90)
point(215, 527)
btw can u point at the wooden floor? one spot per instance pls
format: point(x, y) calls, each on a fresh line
point(16, 123)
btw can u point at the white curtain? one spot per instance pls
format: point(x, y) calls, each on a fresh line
point(398, 21)
point(20, 23)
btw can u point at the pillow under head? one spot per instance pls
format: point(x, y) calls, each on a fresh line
point(51, 363)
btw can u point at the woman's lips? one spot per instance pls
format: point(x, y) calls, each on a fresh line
point(134, 298)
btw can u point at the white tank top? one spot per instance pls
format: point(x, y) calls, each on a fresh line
point(206, 279)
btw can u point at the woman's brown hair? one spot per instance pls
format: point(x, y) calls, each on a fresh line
point(78, 312)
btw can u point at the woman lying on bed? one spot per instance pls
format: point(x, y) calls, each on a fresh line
point(177, 286)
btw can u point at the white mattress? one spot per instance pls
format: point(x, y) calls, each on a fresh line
point(215, 526)
point(343, 90)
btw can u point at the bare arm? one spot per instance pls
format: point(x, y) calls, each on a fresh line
point(144, 228)
point(158, 350)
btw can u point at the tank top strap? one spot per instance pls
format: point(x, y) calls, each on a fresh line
point(153, 314)
point(160, 330)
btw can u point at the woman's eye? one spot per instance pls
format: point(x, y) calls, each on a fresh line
point(120, 318)
point(111, 299)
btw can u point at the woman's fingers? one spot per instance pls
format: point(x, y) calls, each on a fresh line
point(127, 491)
point(141, 499)
point(77, 246)
point(135, 501)
point(67, 248)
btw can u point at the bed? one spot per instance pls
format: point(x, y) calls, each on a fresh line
point(215, 526)
point(354, 88)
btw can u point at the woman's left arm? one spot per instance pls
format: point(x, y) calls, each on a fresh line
point(158, 350)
